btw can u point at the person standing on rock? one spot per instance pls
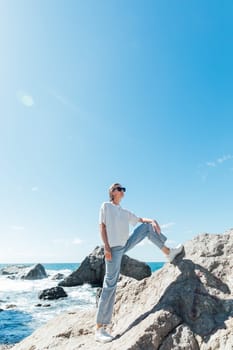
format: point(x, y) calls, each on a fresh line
point(114, 228)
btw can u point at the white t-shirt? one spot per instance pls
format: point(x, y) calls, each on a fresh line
point(116, 220)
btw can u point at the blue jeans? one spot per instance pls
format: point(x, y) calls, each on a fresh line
point(107, 298)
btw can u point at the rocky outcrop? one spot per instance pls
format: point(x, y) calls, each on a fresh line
point(25, 272)
point(35, 272)
point(10, 306)
point(52, 293)
point(92, 270)
point(187, 305)
point(134, 268)
point(58, 276)
point(12, 270)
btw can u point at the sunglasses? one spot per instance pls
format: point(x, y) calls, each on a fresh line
point(120, 189)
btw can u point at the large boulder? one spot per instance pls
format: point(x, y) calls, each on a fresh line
point(52, 293)
point(35, 272)
point(134, 268)
point(92, 270)
point(187, 305)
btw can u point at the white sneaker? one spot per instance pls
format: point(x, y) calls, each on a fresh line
point(102, 336)
point(174, 252)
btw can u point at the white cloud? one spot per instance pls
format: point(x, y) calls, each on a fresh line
point(77, 241)
point(169, 224)
point(26, 99)
point(171, 242)
point(68, 242)
point(220, 160)
point(63, 100)
point(224, 158)
point(17, 228)
point(204, 171)
point(211, 164)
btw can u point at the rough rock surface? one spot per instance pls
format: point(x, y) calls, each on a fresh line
point(12, 270)
point(52, 293)
point(35, 272)
point(25, 272)
point(58, 276)
point(187, 305)
point(92, 270)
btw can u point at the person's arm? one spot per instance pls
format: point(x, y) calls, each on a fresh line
point(153, 222)
point(104, 236)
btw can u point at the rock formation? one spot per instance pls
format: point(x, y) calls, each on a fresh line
point(187, 305)
point(24, 272)
point(35, 272)
point(12, 270)
point(58, 276)
point(5, 347)
point(92, 270)
point(52, 293)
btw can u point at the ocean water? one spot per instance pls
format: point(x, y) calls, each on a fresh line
point(19, 300)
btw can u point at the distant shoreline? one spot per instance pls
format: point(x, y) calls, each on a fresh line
point(154, 265)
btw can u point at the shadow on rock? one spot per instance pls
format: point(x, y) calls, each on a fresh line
point(196, 296)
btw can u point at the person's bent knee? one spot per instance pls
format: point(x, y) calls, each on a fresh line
point(144, 224)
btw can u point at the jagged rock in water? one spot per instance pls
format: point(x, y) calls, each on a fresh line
point(92, 270)
point(52, 293)
point(35, 272)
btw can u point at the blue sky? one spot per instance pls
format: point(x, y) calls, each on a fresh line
point(96, 92)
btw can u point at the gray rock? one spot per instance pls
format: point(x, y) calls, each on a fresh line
point(12, 270)
point(10, 306)
point(182, 338)
point(58, 276)
point(183, 306)
point(134, 268)
point(92, 270)
point(35, 272)
point(24, 272)
point(52, 293)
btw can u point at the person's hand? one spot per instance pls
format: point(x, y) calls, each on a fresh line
point(156, 227)
point(107, 253)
